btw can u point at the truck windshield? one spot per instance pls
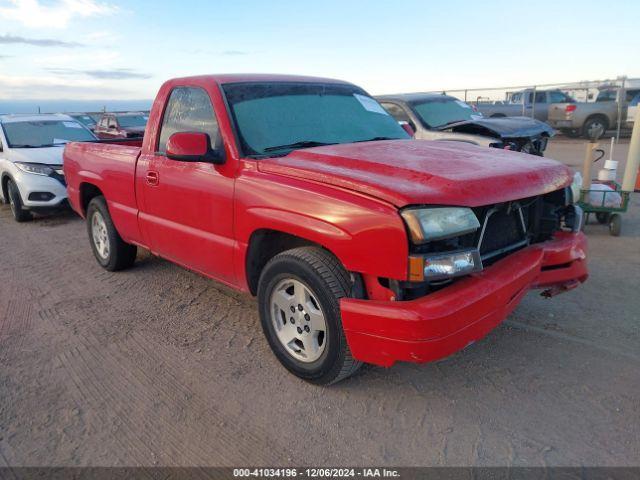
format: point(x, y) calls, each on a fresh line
point(275, 118)
point(439, 112)
point(45, 133)
point(130, 121)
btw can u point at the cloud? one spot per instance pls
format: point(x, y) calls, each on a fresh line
point(38, 42)
point(34, 14)
point(47, 87)
point(113, 74)
point(234, 52)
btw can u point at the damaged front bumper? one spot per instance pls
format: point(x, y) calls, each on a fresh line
point(441, 323)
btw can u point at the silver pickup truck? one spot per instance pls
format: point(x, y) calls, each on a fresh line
point(521, 104)
point(592, 119)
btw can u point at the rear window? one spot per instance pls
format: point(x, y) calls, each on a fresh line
point(129, 121)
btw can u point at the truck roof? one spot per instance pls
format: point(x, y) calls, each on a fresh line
point(255, 77)
point(32, 117)
point(413, 97)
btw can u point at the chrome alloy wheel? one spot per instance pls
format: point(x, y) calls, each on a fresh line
point(298, 320)
point(99, 233)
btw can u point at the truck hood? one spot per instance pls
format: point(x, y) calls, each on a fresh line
point(411, 172)
point(46, 155)
point(507, 127)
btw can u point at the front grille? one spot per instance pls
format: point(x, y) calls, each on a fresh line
point(504, 228)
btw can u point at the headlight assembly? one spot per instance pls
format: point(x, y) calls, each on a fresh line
point(35, 168)
point(428, 224)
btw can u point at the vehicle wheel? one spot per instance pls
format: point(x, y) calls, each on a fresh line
point(602, 217)
point(498, 115)
point(594, 128)
point(615, 224)
point(20, 214)
point(571, 132)
point(108, 247)
point(298, 297)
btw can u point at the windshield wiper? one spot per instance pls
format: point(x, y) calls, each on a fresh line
point(296, 145)
point(28, 146)
point(375, 139)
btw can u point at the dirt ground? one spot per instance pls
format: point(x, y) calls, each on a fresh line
point(159, 366)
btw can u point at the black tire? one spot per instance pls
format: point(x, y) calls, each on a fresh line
point(595, 127)
point(20, 214)
point(327, 279)
point(615, 224)
point(498, 115)
point(603, 217)
point(121, 255)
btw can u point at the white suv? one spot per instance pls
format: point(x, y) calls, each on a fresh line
point(31, 148)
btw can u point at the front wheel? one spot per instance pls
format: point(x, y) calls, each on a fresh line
point(298, 296)
point(111, 252)
point(20, 214)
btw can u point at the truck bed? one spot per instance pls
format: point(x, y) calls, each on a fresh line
point(113, 165)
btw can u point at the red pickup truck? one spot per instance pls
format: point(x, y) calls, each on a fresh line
point(361, 244)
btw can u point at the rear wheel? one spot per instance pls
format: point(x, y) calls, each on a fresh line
point(20, 214)
point(615, 224)
point(111, 252)
point(298, 295)
point(595, 127)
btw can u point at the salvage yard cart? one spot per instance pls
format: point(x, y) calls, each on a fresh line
point(605, 213)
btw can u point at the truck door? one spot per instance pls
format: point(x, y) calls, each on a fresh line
point(541, 107)
point(186, 207)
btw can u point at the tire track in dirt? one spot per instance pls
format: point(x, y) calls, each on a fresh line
point(148, 403)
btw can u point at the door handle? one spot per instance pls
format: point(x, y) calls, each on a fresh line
point(152, 178)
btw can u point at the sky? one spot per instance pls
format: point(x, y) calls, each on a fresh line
point(112, 49)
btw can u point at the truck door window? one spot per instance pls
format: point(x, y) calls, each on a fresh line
point(516, 98)
point(541, 97)
point(189, 109)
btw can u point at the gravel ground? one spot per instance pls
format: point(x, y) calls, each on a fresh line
point(159, 366)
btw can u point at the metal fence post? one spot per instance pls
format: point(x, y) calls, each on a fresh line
point(621, 93)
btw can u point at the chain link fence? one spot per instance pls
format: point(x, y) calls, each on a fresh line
point(533, 101)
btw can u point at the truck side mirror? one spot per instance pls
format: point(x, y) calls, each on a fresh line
point(192, 147)
point(407, 128)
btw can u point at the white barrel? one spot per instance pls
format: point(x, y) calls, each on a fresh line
point(611, 164)
point(606, 175)
point(633, 159)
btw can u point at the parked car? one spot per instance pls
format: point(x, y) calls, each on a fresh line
point(361, 244)
point(441, 117)
point(521, 104)
point(31, 173)
point(591, 119)
point(86, 119)
point(631, 111)
point(122, 125)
